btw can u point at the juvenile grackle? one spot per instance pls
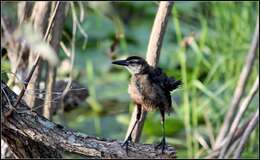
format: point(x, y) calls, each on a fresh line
point(149, 88)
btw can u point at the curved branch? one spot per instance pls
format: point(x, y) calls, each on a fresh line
point(37, 128)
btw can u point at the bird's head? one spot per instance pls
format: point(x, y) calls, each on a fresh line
point(134, 64)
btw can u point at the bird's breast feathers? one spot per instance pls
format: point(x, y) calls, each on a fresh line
point(142, 91)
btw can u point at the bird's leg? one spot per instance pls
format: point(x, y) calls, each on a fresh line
point(162, 144)
point(129, 138)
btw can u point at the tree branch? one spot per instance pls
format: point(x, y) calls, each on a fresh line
point(240, 86)
point(37, 128)
point(248, 131)
point(37, 60)
point(152, 57)
point(239, 132)
point(55, 43)
point(40, 15)
point(239, 115)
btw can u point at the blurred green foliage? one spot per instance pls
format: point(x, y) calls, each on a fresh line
point(218, 35)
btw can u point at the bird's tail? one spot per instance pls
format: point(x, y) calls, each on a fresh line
point(173, 83)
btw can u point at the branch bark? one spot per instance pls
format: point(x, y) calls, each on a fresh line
point(25, 147)
point(152, 57)
point(251, 56)
point(44, 132)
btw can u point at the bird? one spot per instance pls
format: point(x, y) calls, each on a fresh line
point(149, 89)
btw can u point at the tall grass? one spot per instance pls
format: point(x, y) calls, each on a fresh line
point(217, 53)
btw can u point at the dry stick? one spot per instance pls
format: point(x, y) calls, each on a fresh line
point(39, 17)
point(239, 115)
point(238, 134)
point(10, 39)
point(24, 10)
point(232, 148)
point(252, 125)
point(56, 36)
point(72, 57)
point(37, 59)
point(240, 86)
point(152, 57)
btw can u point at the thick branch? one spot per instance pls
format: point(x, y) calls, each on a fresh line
point(25, 147)
point(152, 57)
point(41, 130)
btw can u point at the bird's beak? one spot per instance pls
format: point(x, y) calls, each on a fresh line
point(121, 62)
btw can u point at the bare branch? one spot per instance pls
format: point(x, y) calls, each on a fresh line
point(152, 57)
point(24, 10)
point(72, 55)
point(37, 128)
point(239, 115)
point(36, 61)
point(238, 134)
point(251, 56)
point(55, 43)
point(252, 125)
point(40, 15)
point(158, 30)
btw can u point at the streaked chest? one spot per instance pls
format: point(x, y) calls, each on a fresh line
point(135, 89)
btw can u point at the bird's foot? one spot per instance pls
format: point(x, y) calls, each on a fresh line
point(162, 145)
point(126, 143)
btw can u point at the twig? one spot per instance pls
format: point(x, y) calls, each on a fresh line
point(27, 80)
point(10, 39)
point(232, 148)
point(45, 132)
point(239, 115)
point(240, 86)
point(238, 134)
point(72, 55)
point(152, 57)
point(82, 13)
point(9, 102)
point(252, 125)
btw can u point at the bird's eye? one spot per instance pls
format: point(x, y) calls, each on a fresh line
point(131, 62)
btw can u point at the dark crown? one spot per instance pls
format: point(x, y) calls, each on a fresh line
point(136, 59)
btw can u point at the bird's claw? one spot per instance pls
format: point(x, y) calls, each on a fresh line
point(126, 143)
point(161, 145)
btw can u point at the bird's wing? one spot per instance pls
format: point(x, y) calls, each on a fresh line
point(167, 83)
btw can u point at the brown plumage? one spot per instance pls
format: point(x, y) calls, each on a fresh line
point(149, 88)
